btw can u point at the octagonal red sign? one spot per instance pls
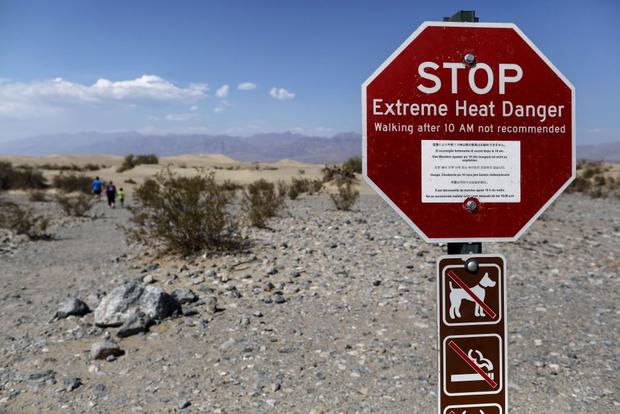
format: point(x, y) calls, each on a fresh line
point(469, 131)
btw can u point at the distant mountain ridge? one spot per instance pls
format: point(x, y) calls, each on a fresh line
point(266, 147)
point(259, 147)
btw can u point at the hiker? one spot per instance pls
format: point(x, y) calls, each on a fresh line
point(97, 186)
point(121, 196)
point(110, 192)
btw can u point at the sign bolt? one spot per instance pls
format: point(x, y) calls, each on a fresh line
point(470, 59)
point(471, 205)
point(471, 265)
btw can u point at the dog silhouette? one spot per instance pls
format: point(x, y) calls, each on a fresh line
point(457, 295)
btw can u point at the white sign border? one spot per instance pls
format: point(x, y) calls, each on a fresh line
point(389, 60)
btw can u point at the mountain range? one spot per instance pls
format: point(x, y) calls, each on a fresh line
point(260, 147)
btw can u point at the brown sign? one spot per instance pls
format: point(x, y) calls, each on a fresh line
point(471, 291)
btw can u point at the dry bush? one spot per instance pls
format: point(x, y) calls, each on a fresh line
point(346, 197)
point(593, 181)
point(70, 167)
point(260, 202)
point(344, 173)
point(298, 186)
point(282, 189)
point(23, 221)
point(36, 195)
point(185, 214)
point(132, 161)
point(353, 165)
point(23, 177)
point(71, 182)
point(76, 205)
point(130, 181)
point(231, 186)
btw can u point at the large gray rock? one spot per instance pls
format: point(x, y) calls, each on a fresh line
point(131, 298)
point(73, 306)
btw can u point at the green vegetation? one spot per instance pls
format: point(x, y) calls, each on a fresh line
point(72, 182)
point(22, 221)
point(22, 178)
point(76, 205)
point(260, 202)
point(70, 167)
point(299, 186)
point(132, 161)
point(593, 179)
point(344, 173)
point(184, 214)
point(346, 197)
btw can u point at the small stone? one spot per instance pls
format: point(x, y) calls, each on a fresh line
point(184, 296)
point(275, 387)
point(376, 282)
point(228, 344)
point(99, 388)
point(184, 404)
point(103, 349)
point(72, 383)
point(73, 306)
point(258, 314)
point(278, 298)
point(148, 279)
point(537, 342)
point(211, 304)
point(137, 323)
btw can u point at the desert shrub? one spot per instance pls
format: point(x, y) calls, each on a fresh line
point(23, 177)
point(72, 183)
point(70, 167)
point(231, 186)
point(593, 181)
point(338, 174)
point(260, 202)
point(130, 181)
point(315, 186)
point(36, 195)
point(346, 197)
point(353, 165)
point(301, 171)
point(282, 188)
point(298, 186)
point(185, 214)
point(76, 205)
point(132, 161)
point(23, 221)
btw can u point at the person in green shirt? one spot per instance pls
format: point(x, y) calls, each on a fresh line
point(121, 197)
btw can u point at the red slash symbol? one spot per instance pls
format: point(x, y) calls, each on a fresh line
point(479, 301)
point(472, 364)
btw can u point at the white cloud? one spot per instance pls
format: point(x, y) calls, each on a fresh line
point(20, 99)
point(281, 94)
point(222, 106)
point(193, 108)
point(222, 92)
point(246, 86)
point(186, 116)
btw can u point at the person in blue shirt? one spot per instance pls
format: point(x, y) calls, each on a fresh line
point(97, 186)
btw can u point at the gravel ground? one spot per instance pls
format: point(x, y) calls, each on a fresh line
point(328, 312)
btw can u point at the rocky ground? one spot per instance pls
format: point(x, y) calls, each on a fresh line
point(329, 312)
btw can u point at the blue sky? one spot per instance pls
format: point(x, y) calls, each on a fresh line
point(155, 66)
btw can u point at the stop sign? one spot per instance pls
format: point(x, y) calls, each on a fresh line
point(469, 132)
